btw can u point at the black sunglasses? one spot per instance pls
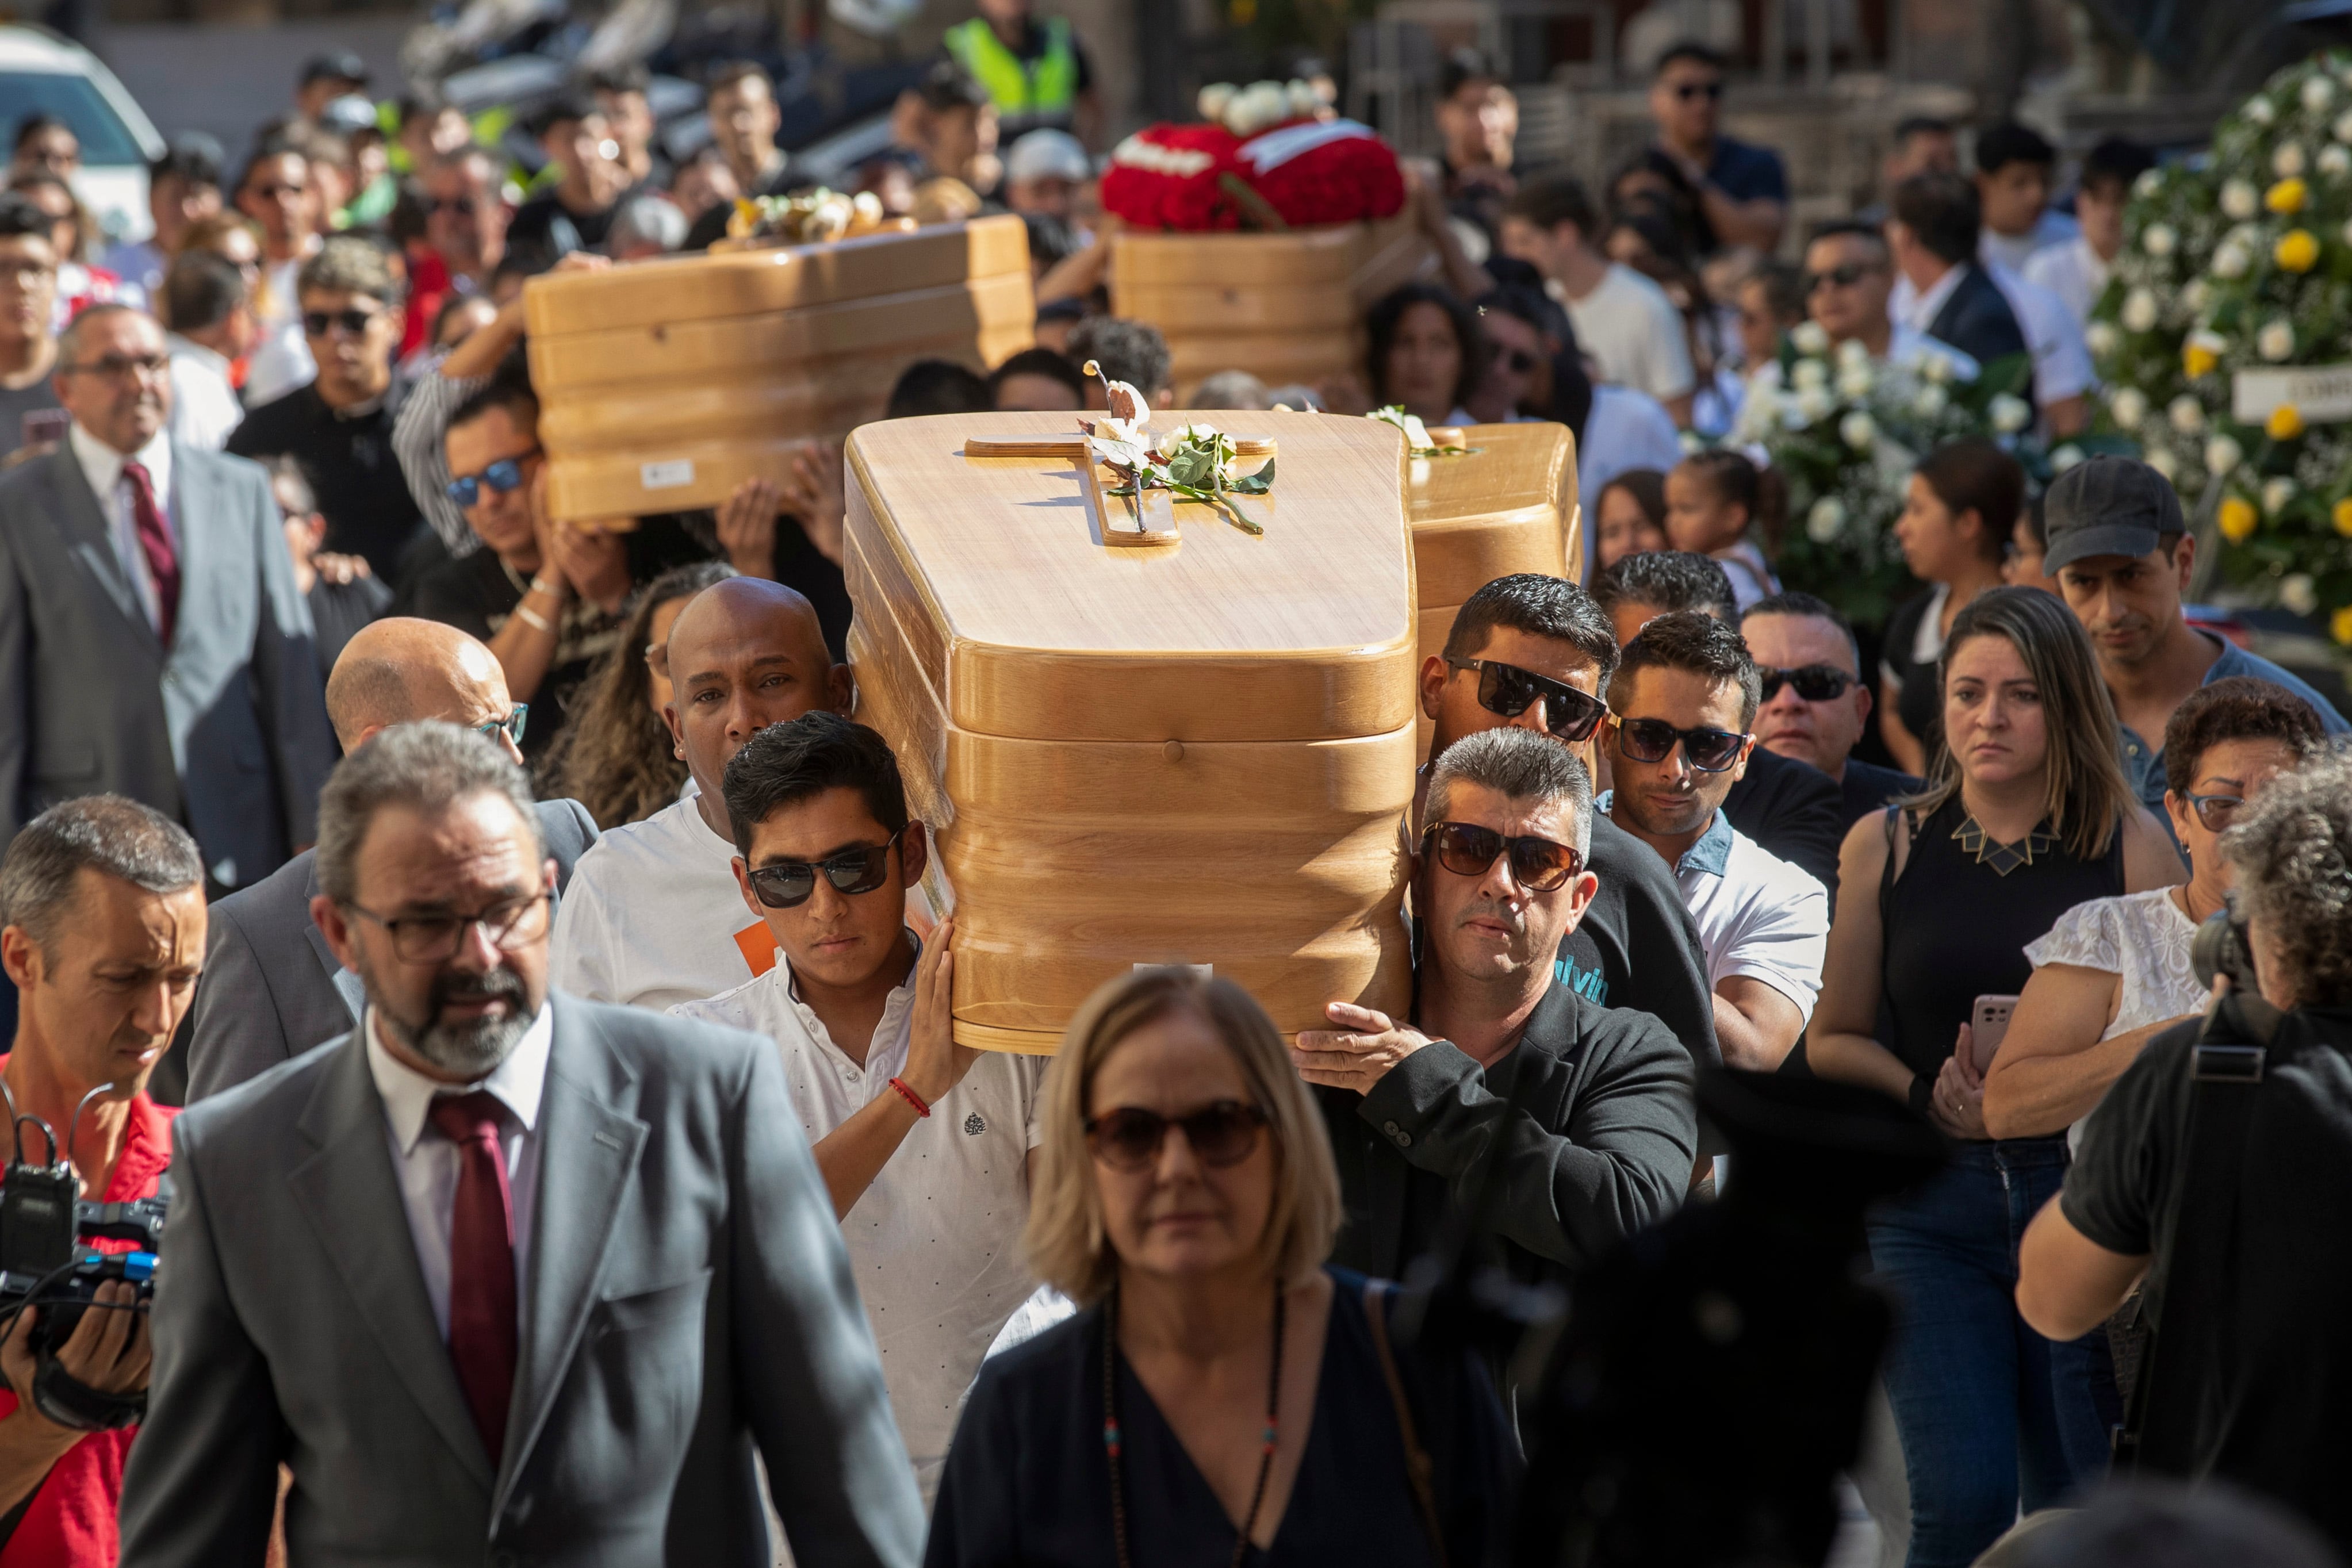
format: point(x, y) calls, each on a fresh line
point(1466, 848)
point(1845, 276)
point(355, 322)
point(1691, 90)
point(1814, 683)
point(503, 476)
point(1506, 689)
point(1653, 741)
point(1222, 1133)
point(788, 884)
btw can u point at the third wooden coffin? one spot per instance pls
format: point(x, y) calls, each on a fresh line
point(1192, 754)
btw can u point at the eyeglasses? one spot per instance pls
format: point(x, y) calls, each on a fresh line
point(120, 367)
point(503, 476)
point(1688, 91)
point(319, 323)
point(1814, 683)
point(1465, 849)
point(1222, 1133)
point(1653, 741)
point(511, 727)
point(430, 938)
point(25, 273)
point(457, 204)
point(2216, 811)
point(1506, 689)
point(788, 884)
point(1844, 276)
point(271, 193)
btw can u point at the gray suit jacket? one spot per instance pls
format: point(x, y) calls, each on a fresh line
point(272, 988)
point(684, 1296)
point(226, 731)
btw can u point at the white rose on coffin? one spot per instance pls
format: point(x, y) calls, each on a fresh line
point(1215, 99)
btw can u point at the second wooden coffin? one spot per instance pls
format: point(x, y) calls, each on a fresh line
point(1192, 754)
point(664, 384)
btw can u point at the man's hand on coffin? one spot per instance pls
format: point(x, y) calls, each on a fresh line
point(1358, 1052)
point(747, 528)
point(935, 1063)
point(592, 560)
point(818, 496)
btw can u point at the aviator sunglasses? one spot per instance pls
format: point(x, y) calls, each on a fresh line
point(1222, 1133)
point(1653, 741)
point(1539, 865)
point(1814, 683)
point(1506, 689)
point(788, 884)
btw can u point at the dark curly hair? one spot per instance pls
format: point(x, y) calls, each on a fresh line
point(2237, 708)
point(1381, 324)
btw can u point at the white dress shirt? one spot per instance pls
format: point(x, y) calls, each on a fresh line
point(2074, 272)
point(203, 405)
point(1908, 307)
point(425, 1163)
point(102, 466)
point(2054, 339)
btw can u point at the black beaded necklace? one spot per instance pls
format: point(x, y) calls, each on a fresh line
point(1111, 1440)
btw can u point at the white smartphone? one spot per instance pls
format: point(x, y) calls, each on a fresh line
point(1987, 1025)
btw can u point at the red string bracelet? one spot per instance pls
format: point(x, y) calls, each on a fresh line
point(912, 1098)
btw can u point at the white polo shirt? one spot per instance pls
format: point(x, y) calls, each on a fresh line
point(935, 1242)
point(653, 918)
point(1757, 915)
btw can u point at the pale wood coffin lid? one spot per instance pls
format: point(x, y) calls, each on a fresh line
point(1499, 508)
point(747, 283)
point(1029, 627)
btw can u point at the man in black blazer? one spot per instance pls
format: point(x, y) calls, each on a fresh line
point(1932, 232)
point(272, 987)
point(152, 642)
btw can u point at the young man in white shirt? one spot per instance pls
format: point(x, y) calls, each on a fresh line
point(207, 298)
point(654, 915)
point(1624, 323)
point(2077, 271)
point(2016, 170)
point(924, 1146)
point(1680, 708)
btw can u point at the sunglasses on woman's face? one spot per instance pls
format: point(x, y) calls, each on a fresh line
point(1814, 683)
point(1222, 1133)
point(788, 884)
point(503, 476)
point(1653, 741)
point(1507, 690)
point(1465, 849)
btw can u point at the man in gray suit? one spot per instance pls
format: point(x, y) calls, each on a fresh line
point(152, 641)
point(501, 1275)
point(272, 987)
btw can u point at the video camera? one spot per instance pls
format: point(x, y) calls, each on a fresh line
point(45, 1264)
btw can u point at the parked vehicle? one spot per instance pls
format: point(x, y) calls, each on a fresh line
point(41, 73)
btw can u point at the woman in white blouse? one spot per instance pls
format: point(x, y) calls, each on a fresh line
point(2115, 972)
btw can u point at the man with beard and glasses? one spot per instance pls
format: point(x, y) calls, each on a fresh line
point(101, 929)
point(273, 986)
point(502, 1274)
point(1587, 1109)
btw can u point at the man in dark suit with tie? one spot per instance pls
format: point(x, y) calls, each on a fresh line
point(272, 986)
point(1933, 231)
point(501, 1275)
point(152, 642)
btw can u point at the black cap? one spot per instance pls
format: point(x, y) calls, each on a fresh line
point(335, 65)
point(2107, 506)
point(191, 156)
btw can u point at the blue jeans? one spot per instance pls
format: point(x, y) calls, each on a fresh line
point(1992, 1414)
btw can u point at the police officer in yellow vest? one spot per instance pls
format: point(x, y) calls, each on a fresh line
point(1033, 68)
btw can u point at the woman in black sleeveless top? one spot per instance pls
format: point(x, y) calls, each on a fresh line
point(2025, 815)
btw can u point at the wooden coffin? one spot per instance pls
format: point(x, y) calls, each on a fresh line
point(664, 384)
point(1286, 307)
point(1194, 753)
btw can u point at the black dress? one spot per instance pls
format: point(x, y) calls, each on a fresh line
point(1028, 1482)
point(1918, 700)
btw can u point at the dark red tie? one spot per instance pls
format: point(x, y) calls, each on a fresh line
point(155, 544)
point(482, 1327)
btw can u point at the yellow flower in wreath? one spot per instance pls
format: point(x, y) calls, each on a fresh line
point(2340, 623)
point(2343, 518)
point(2198, 356)
point(2287, 196)
point(2297, 250)
point(2238, 519)
point(2285, 424)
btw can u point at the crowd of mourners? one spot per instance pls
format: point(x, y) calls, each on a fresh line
point(317, 731)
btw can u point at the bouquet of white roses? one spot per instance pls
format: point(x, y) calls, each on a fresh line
point(2223, 333)
point(1844, 432)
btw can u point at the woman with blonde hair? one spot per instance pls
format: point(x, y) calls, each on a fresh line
point(1224, 1395)
point(2026, 814)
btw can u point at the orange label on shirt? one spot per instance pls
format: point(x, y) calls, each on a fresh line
point(757, 946)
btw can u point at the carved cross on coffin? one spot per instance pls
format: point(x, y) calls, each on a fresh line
point(1152, 512)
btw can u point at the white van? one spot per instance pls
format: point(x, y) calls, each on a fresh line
point(41, 73)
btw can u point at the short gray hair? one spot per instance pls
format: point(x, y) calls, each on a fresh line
point(1520, 765)
point(2293, 852)
point(105, 834)
point(425, 767)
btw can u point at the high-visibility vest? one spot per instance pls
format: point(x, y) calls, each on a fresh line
point(1022, 89)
